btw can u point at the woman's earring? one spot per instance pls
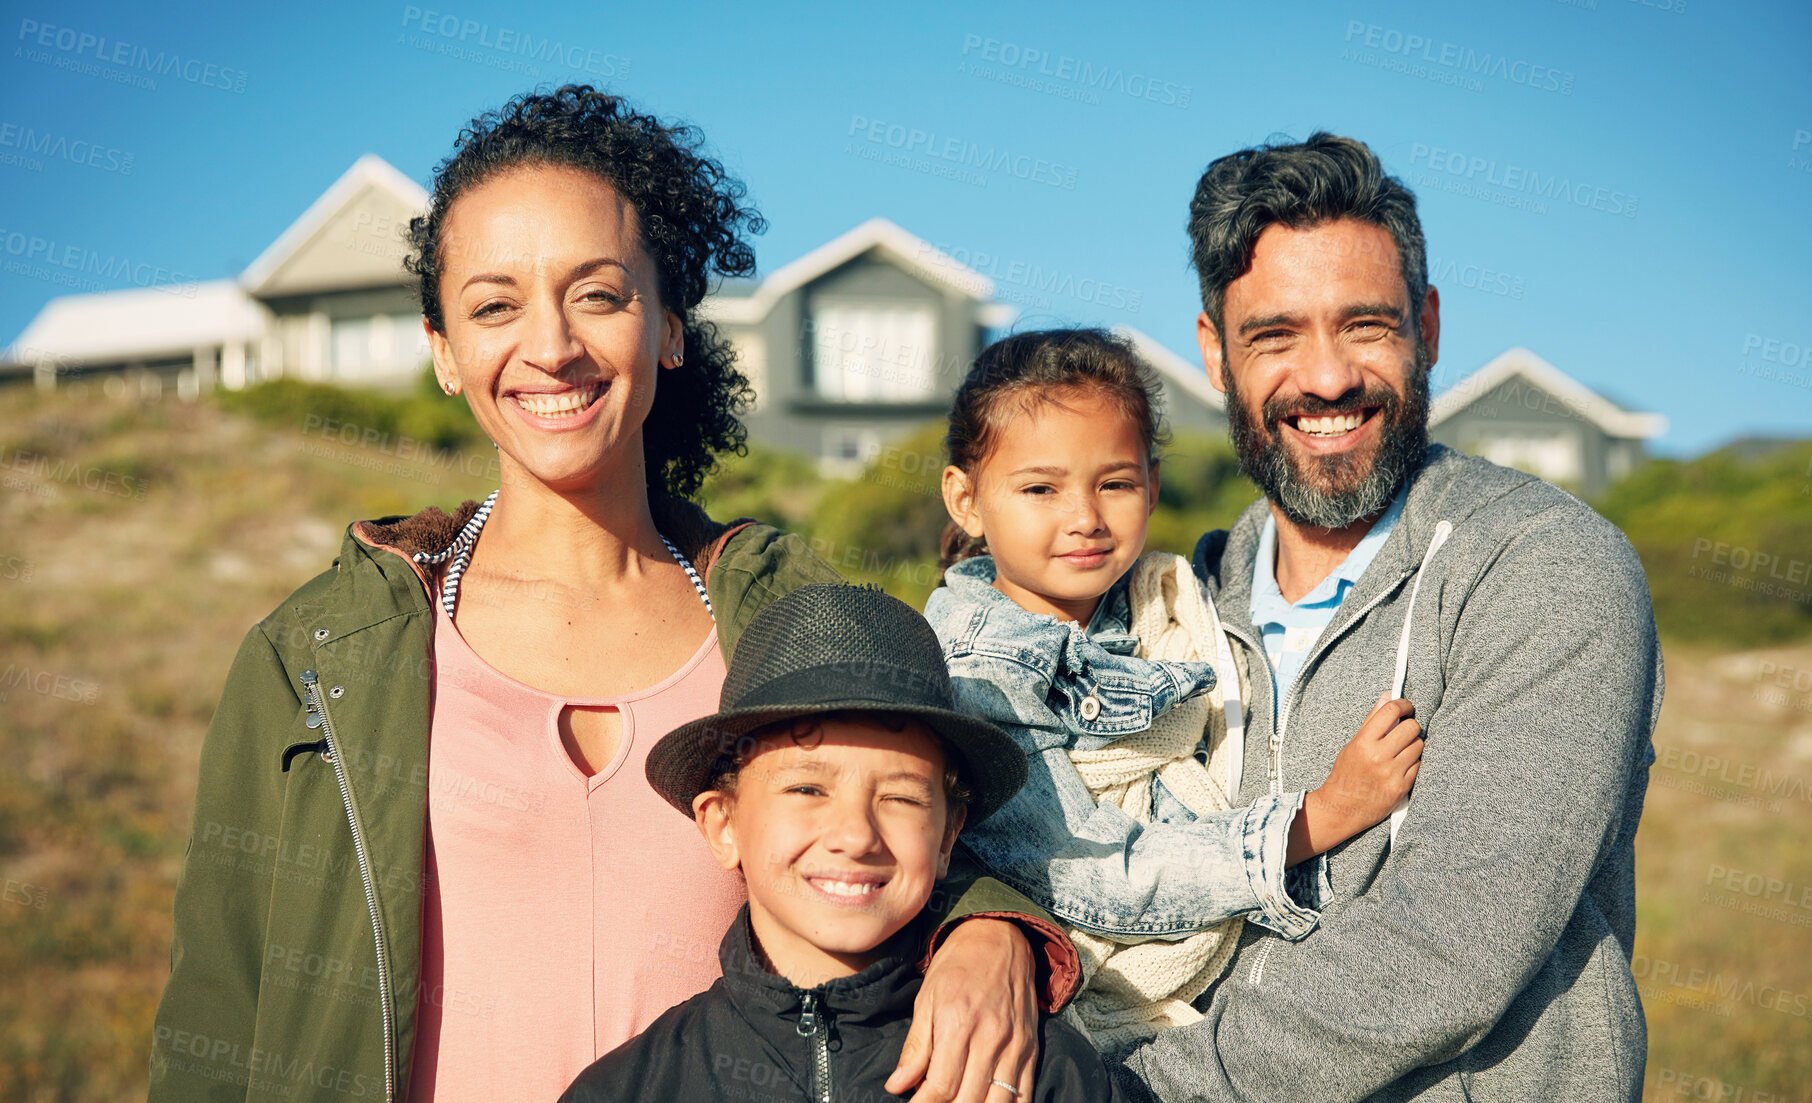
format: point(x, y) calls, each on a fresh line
point(445, 386)
point(679, 358)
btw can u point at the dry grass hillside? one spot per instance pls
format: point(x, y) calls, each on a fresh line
point(139, 543)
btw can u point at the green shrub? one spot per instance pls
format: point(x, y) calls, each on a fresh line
point(768, 484)
point(355, 416)
point(1726, 542)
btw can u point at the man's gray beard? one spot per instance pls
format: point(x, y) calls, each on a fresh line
point(1401, 448)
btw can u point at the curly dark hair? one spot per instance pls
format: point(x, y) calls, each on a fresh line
point(1300, 185)
point(692, 215)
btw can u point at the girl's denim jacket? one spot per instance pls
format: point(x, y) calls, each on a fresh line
point(1092, 865)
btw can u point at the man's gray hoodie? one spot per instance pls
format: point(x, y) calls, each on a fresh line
point(1485, 955)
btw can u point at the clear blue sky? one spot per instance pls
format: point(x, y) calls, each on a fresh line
point(1640, 171)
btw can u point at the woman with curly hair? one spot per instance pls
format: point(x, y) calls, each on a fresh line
point(359, 917)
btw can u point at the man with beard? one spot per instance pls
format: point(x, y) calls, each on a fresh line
point(1478, 945)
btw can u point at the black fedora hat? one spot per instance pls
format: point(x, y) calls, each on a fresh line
point(826, 648)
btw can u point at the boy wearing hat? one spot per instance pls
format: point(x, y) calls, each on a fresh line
point(836, 776)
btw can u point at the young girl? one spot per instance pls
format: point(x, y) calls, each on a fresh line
point(1112, 673)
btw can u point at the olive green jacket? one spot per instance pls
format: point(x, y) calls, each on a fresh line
point(295, 971)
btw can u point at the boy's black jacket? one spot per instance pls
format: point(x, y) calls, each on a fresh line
point(748, 1037)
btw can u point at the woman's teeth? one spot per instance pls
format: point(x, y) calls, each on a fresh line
point(564, 403)
point(1329, 426)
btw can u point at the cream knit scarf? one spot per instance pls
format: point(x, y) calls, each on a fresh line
point(1131, 991)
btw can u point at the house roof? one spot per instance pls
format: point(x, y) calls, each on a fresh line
point(372, 181)
point(1587, 403)
point(139, 324)
point(747, 302)
point(1189, 377)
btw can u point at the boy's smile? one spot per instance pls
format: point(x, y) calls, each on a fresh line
point(841, 829)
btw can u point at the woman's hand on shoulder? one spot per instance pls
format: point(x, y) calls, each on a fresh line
point(975, 1022)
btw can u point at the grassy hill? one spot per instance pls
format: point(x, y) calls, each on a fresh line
point(139, 543)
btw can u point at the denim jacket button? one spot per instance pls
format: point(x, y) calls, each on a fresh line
point(1091, 707)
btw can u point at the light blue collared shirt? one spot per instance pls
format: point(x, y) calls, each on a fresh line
point(1291, 629)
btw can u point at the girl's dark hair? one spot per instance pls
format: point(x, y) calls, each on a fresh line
point(692, 216)
point(1015, 373)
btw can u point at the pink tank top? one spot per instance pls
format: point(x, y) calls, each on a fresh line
point(564, 913)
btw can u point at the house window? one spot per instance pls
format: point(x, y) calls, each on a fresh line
point(1554, 456)
point(873, 352)
point(399, 343)
point(382, 345)
point(350, 346)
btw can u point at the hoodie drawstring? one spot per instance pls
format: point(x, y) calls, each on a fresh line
point(1441, 532)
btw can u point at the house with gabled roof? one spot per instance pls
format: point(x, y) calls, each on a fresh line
point(1523, 412)
point(328, 300)
point(849, 347)
point(857, 342)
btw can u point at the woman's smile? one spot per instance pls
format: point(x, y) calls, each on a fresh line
point(559, 410)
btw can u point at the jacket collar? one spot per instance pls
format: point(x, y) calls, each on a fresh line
point(972, 580)
point(872, 999)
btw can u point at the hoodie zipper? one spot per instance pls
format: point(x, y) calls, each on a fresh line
point(1326, 641)
point(311, 691)
point(813, 1026)
point(1257, 972)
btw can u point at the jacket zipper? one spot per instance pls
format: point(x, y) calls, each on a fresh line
point(1257, 971)
point(812, 1025)
point(311, 690)
point(1326, 641)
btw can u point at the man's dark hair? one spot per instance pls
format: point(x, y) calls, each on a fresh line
point(692, 215)
point(1300, 185)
